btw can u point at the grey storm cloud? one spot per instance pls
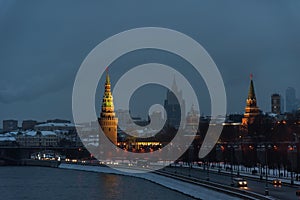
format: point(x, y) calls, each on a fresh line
point(30, 88)
point(42, 44)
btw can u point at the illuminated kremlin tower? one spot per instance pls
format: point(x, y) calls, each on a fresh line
point(108, 120)
point(251, 109)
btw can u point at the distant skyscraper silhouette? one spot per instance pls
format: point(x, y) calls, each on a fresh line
point(10, 125)
point(192, 120)
point(172, 106)
point(156, 120)
point(276, 103)
point(28, 124)
point(290, 99)
point(282, 105)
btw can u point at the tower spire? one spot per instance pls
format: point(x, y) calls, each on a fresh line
point(174, 85)
point(107, 77)
point(251, 92)
point(251, 109)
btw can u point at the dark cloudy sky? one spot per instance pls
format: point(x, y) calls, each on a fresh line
point(43, 43)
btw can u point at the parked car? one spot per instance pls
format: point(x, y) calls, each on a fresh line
point(240, 182)
point(276, 182)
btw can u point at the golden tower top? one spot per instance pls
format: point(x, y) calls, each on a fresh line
point(107, 102)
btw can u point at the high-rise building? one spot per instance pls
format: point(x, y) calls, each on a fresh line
point(28, 124)
point(290, 99)
point(282, 104)
point(10, 125)
point(276, 104)
point(156, 120)
point(123, 118)
point(192, 120)
point(108, 120)
point(251, 109)
point(172, 106)
point(297, 104)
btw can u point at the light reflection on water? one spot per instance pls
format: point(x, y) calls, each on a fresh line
point(52, 183)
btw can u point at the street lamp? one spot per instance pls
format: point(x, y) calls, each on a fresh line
point(207, 173)
point(236, 150)
point(292, 150)
point(261, 148)
point(231, 171)
point(266, 156)
point(190, 157)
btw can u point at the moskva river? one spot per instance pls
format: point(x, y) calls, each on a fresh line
point(52, 183)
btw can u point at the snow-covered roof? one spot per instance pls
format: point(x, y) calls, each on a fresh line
point(87, 129)
point(272, 115)
point(140, 131)
point(7, 134)
point(4, 139)
point(61, 131)
point(30, 133)
point(93, 144)
point(13, 133)
point(44, 133)
point(56, 125)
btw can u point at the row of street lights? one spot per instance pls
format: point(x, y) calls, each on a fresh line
point(262, 158)
point(262, 153)
point(265, 148)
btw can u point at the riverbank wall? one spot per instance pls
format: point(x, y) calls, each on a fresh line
point(40, 163)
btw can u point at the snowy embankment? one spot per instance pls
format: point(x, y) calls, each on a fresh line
point(174, 184)
point(272, 174)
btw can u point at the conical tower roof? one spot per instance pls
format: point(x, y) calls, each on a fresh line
point(107, 97)
point(251, 109)
point(107, 81)
point(174, 85)
point(251, 93)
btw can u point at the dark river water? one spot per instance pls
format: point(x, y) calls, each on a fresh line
point(52, 183)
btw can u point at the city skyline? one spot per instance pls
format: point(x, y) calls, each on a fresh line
point(168, 93)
